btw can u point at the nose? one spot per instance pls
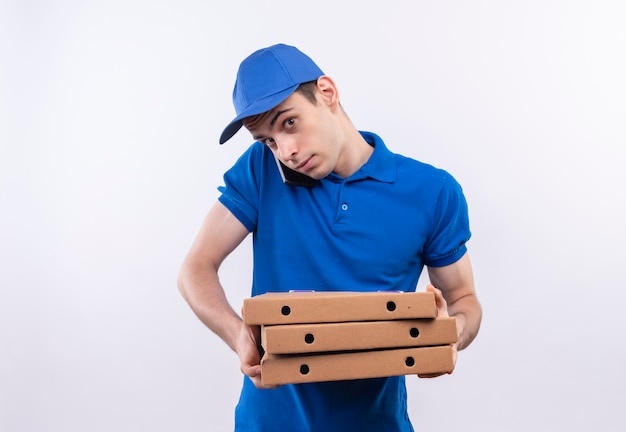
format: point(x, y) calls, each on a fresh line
point(287, 148)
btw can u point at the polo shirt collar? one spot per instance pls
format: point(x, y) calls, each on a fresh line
point(381, 165)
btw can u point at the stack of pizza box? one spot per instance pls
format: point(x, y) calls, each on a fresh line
point(330, 336)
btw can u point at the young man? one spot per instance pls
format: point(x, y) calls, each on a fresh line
point(353, 217)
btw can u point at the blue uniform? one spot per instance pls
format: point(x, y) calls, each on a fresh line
point(372, 231)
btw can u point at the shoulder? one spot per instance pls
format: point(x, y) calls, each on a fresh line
point(389, 165)
point(424, 181)
point(255, 155)
point(422, 174)
point(256, 164)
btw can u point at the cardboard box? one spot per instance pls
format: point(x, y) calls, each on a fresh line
point(281, 369)
point(337, 306)
point(349, 336)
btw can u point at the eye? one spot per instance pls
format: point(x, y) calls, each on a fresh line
point(289, 123)
point(269, 142)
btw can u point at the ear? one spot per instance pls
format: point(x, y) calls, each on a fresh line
point(327, 92)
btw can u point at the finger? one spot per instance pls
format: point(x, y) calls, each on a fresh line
point(440, 301)
point(432, 375)
point(255, 377)
point(250, 361)
point(252, 371)
point(455, 354)
point(256, 380)
point(438, 374)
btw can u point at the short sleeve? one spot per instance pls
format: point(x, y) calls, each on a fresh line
point(240, 192)
point(447, 242)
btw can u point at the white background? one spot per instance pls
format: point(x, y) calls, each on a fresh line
point(110, 113)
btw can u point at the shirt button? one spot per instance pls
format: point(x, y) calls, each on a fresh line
point(344, 206)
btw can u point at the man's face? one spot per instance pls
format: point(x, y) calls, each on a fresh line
point(303, 135)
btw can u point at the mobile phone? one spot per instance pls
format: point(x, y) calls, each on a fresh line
point(294, 178)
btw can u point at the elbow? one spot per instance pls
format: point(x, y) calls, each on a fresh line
point(181, 282)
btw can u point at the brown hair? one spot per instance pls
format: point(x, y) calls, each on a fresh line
point(308, 90)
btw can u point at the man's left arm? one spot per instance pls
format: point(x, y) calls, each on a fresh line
point(456, 297)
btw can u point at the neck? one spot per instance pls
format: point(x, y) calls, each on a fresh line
point(356, 152)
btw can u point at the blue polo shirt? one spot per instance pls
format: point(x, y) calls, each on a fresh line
point(372, 231)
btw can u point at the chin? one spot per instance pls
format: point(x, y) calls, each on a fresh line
point(317, 175)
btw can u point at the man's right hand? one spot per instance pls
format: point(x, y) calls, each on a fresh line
point(249, 356)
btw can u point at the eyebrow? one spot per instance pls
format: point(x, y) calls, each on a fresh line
point(274, 119)
point(278, 114)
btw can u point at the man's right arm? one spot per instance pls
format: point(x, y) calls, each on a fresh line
point(199, 284)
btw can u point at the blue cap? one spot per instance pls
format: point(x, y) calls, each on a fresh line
point(265, 79)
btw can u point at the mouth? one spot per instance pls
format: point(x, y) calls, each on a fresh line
point(302, 166)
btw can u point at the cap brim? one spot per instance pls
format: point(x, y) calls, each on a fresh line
point(256, 108)
point(230, 130)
